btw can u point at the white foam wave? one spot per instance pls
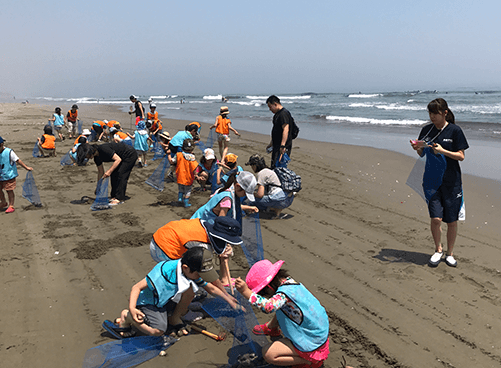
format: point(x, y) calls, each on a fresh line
point(359, 120)
point(393, 106)
point(218, 97)
point(478, 109)
point(264, 98)
point(360, 95)
point(158, 97)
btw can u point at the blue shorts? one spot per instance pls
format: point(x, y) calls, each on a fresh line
point(446, 203)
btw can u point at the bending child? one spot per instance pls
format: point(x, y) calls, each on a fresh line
point(163, 296)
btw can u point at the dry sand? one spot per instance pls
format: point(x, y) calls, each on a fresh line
point(359, 239)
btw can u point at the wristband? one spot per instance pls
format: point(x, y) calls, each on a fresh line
point(282, 146)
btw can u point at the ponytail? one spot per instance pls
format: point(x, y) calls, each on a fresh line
point(439, 105)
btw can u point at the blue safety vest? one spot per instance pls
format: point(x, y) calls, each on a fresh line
point(205, 212)
point(7, 170)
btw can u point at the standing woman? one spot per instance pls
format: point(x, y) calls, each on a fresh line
point(444, 137)
point(123, 158)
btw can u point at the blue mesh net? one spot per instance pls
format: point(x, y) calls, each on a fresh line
point(157, 179)
point(66, 160)
point(158, 151)
point(79, 129)
point(240, 324)
point(102, 202)
point(127, 352)
point(93, 135)
point(36, 151)
point(30, 191)
point(208, 144)
point(252, 240)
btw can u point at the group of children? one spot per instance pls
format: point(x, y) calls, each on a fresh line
point(171, 285)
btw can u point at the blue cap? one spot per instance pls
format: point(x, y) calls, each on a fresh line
point(1, 140)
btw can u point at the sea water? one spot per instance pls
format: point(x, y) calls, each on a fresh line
point(382, 120)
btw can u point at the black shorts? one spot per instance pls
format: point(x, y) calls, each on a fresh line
point(446, 203)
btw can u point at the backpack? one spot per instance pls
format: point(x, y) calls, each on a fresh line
point(294, 130)
point(290, 181)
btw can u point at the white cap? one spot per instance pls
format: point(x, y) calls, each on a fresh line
point(209, 154)
point(153, 105)
point(248, 183)
point(86, 132)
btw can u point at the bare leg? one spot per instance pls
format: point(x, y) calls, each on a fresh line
point(282, 353)
point(452, 231)
point(182, 308)
point(436, 232)
point(3, 202)
point(126, 320)
point(225, 150)
point(12, 197)
point(221, 149)
point(223, 271)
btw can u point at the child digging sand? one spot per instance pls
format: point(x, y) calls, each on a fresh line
point(299, 316)
point(162, 297)
point(8, 174)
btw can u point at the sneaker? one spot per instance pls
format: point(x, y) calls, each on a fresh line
point(450, 261)
point(114, 202)
point(264, 330)
point(10, 209)
point(435, 259)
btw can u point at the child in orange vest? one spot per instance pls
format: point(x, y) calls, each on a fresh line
point(47, 142)
point(186, 164)
point(223, 127)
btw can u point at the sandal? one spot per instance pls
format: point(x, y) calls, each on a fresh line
point(10, 209)
point(265, 330)
point(118, 332)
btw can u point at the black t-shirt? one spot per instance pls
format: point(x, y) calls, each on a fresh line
point(452, 139)
point(280, 119)
point(138, 109)
point(107, 150)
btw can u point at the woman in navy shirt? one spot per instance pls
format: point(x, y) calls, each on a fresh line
point(444, 137)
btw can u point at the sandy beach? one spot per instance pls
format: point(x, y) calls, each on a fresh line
point(358, 238)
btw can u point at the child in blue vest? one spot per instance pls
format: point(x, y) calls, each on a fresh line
point(58, 119)
point(8, 174)
point(299, 316)
point(142, 142)
point(163, 296)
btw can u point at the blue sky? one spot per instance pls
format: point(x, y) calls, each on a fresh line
point(115, 48)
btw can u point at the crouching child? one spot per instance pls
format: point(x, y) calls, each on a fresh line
point(163, 296)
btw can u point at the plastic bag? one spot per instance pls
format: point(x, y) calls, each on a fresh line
point(102, 202)
point(30, 191)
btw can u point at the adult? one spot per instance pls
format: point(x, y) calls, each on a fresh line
point(172, 240)
point(71, 121)
point(444, 137)
point(269, 193)
point(138, 108)
point(123, 158)
point(281, 139)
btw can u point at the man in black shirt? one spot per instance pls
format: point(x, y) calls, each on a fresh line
point(281, 140)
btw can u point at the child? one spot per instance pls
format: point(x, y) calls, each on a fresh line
point(223, 127)
point(299, 316)
point(156, 124)
point(98, 127)
point(85, 133)
point(71, 120)
point(73, 153)
point(58, 120)
point(227, 167)
point(8, 174)
point(163, 296)
point(141, 142)
point(118, 136)
point(164, 140)
point(186, 164)
point(47, 142)
point(206, 169)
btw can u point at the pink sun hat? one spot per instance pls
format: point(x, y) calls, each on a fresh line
point(261, 274)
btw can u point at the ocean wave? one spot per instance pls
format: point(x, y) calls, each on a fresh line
point(360, 95)
point(359, 120)
point(218, 97)
point(477, 109)
point(382, 106)
point(158, 97)
point(264, 98)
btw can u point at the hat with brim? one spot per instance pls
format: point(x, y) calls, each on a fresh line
point(224, 230)
point(248, 183)
point(165, 135)
point(261, 274)
point(207, 272)
point(86, 132)
point(224, 110)
point(209, 154)
point(1, 140)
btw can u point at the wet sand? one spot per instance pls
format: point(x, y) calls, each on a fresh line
point(358, 238)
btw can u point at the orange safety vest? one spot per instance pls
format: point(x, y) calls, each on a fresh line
point(222, 125)
point(122, 135)
point(151, 116)
point(112, 123)
point(102, 123)
point(185, 170)
point(172, 237)
point(76, 140)
point(72, 116)
point(50, 142)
